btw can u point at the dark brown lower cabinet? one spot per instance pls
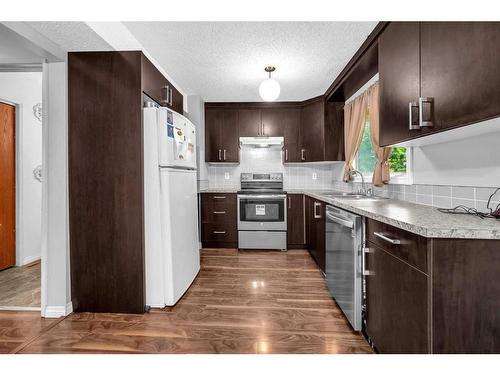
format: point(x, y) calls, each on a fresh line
point(315, 230)
point(295, 221)
point(396, 294)
point(431, 295)
point(218, 220)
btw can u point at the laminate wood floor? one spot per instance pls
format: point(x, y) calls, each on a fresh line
point(241, 302)
point(20, 286)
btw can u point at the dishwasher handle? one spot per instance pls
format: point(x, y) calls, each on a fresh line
point(338, 220)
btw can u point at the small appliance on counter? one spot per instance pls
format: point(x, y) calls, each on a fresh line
point(262, 221)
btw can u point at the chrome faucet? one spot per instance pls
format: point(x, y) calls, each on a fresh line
point(363, 190)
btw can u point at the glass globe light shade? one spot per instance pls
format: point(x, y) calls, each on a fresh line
point(269, 90)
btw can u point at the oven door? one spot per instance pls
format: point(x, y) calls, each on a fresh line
point(262, 212)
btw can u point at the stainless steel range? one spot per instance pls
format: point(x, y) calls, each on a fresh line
point(262, 211)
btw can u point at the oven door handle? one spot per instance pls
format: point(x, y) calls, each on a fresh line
point(338, 220)
point(267, 196)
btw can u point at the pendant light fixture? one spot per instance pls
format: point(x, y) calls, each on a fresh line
point(269, 89)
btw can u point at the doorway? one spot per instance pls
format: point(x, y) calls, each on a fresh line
point(20, 190)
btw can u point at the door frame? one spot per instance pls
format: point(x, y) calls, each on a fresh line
point(18, 185)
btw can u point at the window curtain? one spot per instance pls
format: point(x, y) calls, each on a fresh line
point(381, 173)
point(354, 124)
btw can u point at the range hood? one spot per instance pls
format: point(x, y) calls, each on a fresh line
point(262, 142)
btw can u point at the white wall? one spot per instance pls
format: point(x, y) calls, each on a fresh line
point(25, 90)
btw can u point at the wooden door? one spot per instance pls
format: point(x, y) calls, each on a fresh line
point(249, 122)
point(229, 138)
point(213, 121)
point(312, 123)
point(399, 75)
point(295, 220)
point(291, 125)
point(460, 69)
point(272, 122)
point(7, 186)
point(397, 313)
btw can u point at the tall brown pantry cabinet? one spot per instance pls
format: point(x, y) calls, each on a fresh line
point(106, 211)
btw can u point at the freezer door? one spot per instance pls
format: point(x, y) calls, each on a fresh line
point(176, 140)
point(179, 218)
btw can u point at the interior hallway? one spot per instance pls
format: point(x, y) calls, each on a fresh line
point(241, 302)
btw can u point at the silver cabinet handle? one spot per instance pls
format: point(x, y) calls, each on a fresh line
point(421, 102)
point(224, 155)
point(367, 250)
point(219, 212)
point(316, 215)
point(413, 125)
point(289, 202)
point(286, 154)
point(171, 96)
point(302, 156)
point(220, 157)
point(165, 94)
point(219, 197)
point(219, 232)
point(385, 238)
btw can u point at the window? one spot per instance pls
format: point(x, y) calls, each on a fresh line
point(399, 161)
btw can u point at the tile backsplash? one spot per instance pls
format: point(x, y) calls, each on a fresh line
point(327, 177)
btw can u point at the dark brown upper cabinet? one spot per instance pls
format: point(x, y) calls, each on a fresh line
point(158, 88)
point(436, 76)
point(249, 122)
point(321, 131)
point(221, 135)
point(291, 128)
point(273, 122)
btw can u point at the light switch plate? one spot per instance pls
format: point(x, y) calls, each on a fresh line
point(226, 175)
point(315, 176)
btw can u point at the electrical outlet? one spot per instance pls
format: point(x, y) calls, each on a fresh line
point(315, 176)
point(226, 175)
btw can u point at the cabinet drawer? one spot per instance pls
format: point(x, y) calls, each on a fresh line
point(219, 232)
point(407, 246)
point(220, 199)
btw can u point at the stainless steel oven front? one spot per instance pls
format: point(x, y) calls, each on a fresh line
point(262, 221)
point(262, 212)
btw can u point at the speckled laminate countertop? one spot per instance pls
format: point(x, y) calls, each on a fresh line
point(426, 221)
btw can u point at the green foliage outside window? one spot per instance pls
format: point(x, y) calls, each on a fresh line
point(366, 157)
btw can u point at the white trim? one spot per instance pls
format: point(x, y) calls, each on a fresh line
point(31, 259)
point(57, 311)
point(19, 308)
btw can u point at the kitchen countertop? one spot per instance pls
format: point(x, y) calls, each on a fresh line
point(423, 220)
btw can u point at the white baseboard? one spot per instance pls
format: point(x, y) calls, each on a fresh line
point(57, 311)
point(29, 260)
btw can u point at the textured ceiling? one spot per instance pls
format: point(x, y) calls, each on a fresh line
point(224, 61)
point(71, 36)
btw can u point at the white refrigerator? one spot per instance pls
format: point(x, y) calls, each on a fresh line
point(171, 206)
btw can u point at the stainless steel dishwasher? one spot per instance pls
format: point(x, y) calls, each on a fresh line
point(344, 246)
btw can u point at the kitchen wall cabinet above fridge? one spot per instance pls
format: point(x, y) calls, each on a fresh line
point(435, 76)
point(313, 130)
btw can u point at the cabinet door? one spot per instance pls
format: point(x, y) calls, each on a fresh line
point(396, 303)
point(213, 121)
point(153, 82)
point(295, 220)
point(229, 138)
point(399, 76)
point(176, 100)
point(272, 122)
point(460, 69)
point(312, 120)
point(291, 125)
point(249, 122)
